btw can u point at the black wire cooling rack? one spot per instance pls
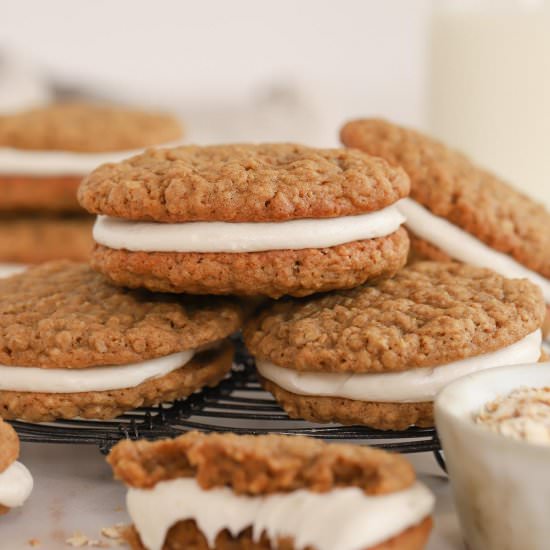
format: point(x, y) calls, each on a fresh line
point(237, 405)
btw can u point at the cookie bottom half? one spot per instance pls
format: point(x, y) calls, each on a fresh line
point(23, 193)
point(381, 416)
point(273, 273)
point(30, 239)
point(185, 534)
point(205, 369)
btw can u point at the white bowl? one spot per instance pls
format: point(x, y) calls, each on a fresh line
point(501, 486)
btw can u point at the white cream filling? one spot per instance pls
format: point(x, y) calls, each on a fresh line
point(16, 484)
point(59, 163)
point(464, 247)
point(342, 519)
point(7, 270)
point(412, 386)
point(245, 237)
point(117, 377)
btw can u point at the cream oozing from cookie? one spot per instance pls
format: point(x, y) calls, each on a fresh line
point(245, 237)
point(16, 484)
point(309, 518)
point(17, 162)
point(463, 246)
point(117, 377)
point(411, 386)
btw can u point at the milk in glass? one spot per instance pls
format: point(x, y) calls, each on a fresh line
point(489, 88)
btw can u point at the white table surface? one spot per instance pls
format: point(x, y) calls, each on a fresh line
point(74, 492)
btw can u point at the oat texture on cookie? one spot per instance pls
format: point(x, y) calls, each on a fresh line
point(240, 183)
point(452, 186)
point(429, 314)
point(64, 315)
point(86, 128)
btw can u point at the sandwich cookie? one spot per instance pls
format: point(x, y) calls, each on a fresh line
point(71, 345)
point(458, 210)
point(45, 152)
point(274, 492)
point(15, 480)
point(378, 354)
point(266, 220)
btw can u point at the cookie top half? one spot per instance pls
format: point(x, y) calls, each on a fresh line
point(9, 445)
point(86, 128)
point(428, 315)
point(258, 465)
point(451, 186)
point(240, 183)
point(64, 315)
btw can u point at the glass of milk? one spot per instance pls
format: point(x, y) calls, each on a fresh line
point(489, 86)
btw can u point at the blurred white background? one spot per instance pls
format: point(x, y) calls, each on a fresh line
point(475, 73)
point(300, 66)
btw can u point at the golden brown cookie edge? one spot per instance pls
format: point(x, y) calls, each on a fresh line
point(9, 445)
point(34, 239)
point(271, 273)
point(377, 415)
point(243, 183)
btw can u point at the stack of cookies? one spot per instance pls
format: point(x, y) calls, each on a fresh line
point(44, 153)
point(283, 220)
point(344, 332)
point(16, 482)
point(228, 492)
point(267, 220)
point(249, 220)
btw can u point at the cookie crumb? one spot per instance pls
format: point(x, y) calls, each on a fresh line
point(35, 543)
point(77, 540)
point(114, 532)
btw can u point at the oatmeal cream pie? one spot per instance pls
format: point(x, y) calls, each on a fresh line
point(272, 492)
point(268, 219)
point(459, 210)
point(15, 480)
point(45, 152)
point(71, 345)
point(378, 354)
